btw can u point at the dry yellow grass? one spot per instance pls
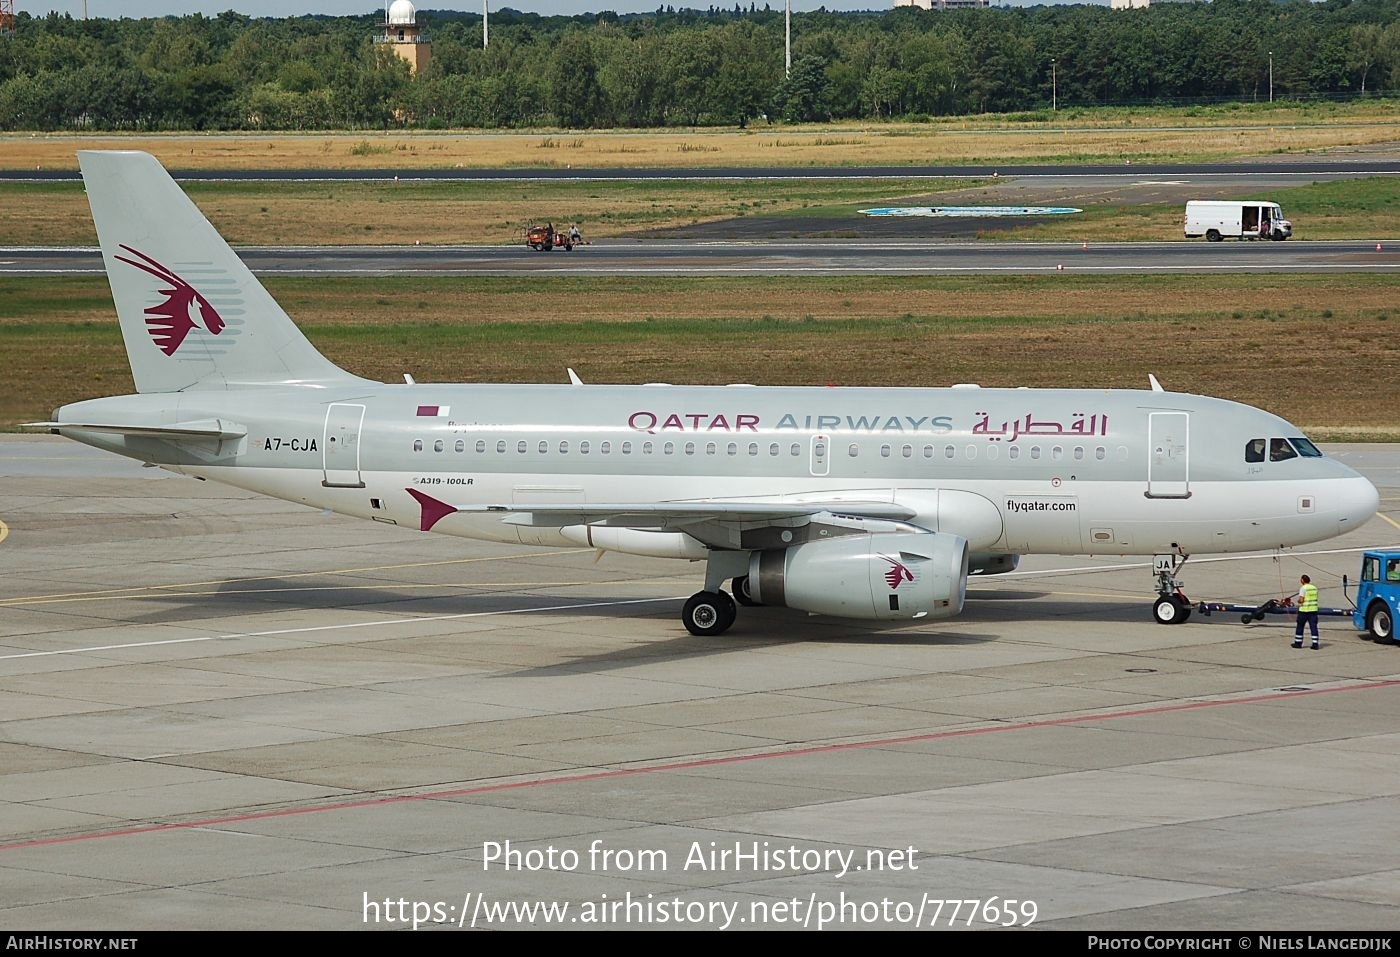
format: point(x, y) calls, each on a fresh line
point(433, 213)
point(1065, 137)
point(1316, 349)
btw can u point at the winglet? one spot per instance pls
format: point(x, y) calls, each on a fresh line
point(574, 379)
point(1156, 386)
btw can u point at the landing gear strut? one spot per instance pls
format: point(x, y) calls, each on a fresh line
point(1172, 607)
point(710, 612)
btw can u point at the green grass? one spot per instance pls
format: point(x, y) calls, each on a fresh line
point(447, 212)
point(55, 213)
point(1367, 208)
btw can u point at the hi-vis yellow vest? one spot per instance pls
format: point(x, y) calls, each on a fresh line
point(1309, 602)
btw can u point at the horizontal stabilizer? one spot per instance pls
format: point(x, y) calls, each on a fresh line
point(203, 429)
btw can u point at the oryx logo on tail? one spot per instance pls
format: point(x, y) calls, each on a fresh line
point(899, 572)
point(171, 321)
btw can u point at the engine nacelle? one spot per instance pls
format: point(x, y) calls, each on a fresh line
point(889, 576)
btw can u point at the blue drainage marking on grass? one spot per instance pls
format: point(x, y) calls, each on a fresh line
point(952, 211)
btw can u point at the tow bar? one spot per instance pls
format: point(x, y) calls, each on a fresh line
point(1274, 606)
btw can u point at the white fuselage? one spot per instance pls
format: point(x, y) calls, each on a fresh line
point(1012, 471)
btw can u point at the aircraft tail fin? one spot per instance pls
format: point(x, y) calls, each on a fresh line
point(192, 315)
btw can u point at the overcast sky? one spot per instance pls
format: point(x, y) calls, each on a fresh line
point(283, 8)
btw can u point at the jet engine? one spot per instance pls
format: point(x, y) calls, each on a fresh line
point(889, 576)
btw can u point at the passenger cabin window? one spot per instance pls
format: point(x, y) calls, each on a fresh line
point(1280, 450)
point(1254, 450)
point(417, 445)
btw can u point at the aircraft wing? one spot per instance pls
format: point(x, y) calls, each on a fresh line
point(683, 514)
point(716, 523)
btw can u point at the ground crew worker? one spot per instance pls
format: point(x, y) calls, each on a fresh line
point(1307, 612)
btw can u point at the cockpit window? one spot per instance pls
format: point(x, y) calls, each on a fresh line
point(1254, 450)
point(1279, 450)
point(1306, 449)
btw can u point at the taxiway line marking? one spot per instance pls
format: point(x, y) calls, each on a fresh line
point(135, 592)
point(347, 625)
point(577, 778)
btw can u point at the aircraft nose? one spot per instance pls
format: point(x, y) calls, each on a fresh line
point(1358, 502)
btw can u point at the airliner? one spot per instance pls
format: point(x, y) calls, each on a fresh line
point(860, 503)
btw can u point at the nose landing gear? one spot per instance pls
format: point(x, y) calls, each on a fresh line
point(1172, 607)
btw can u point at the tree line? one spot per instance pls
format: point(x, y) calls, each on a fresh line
point(685, 67)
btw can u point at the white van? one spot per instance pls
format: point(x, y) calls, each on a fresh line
point(1256, 219)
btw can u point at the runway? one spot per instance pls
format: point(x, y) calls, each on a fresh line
point(219, 711)
point(826, 243)
point(791, 258)
point(1336, 165)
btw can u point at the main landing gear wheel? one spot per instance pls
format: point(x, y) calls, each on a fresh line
point(741, 591)
point(709, 613)
point(1379, 624)
point(1170, 610)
